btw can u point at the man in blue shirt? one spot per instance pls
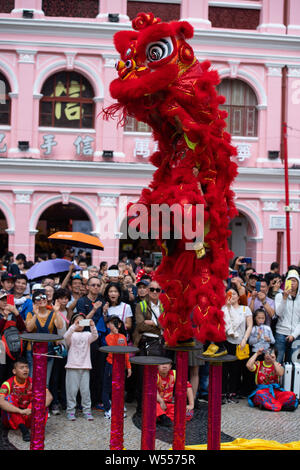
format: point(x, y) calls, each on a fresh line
point(22, 301)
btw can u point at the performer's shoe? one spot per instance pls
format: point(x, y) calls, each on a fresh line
point(211, 350)
point(222, 351)
point(215, 350)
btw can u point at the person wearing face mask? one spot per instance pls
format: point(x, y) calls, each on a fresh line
point(287, 307)
point(268, 394)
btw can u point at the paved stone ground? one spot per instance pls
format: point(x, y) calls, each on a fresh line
point(238, 421)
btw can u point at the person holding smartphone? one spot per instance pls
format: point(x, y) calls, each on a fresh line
point(259, 299)
point(79, 364)
point(287, 305)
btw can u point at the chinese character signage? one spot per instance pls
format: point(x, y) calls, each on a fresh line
point(67, 101)
point(83, 145)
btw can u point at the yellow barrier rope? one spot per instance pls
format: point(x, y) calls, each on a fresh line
point(252, 444)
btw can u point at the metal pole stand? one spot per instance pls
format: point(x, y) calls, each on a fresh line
point(39, 383)
point(117, 393)
point(182, 365)
point(150, 364)
point(215, 399)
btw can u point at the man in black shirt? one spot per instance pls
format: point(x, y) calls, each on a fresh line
point(91, 306)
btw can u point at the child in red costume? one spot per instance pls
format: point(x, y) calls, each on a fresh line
point(165, 391)
point(114, 338)
point(269, 394)
point(16, 399)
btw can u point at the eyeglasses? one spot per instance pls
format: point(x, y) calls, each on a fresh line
point(155, 289)
point(95, 285)
point(40, 297)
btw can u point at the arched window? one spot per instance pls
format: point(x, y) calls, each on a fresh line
point(241, 105)
point(4, 100)
point(67, 101)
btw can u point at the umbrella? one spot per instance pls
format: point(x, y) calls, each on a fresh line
point(46, 268)
point(77, 239)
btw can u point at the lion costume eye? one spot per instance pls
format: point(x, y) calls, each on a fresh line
point(159, 50)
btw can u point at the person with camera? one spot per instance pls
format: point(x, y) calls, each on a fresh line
point(79, 364)
point(43, 319)
point(91, 306)
point(287, 306)
point(268, 394)
point(259, 299)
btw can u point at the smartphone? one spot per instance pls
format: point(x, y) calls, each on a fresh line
point(85, 322)
point(234, 273)
point(246, 260)
point(288, 284)
point(85, 274)
point(112, 273)
point(257, 286)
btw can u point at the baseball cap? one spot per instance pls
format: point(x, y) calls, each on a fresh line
point(3, 294)
point(143, 282)
point(36, 287)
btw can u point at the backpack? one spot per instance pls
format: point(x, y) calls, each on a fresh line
point(11, 339)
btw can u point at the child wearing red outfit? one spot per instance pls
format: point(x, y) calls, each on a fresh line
point(269, 394)
point(16, 399)
point(165, 391)
point(114, 338)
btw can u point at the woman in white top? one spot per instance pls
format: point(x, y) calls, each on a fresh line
point(114, 305)
point(238, 325)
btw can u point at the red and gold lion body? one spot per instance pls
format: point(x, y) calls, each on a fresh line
point(162, 83)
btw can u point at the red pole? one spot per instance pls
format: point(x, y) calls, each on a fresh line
point(182, 366)
point(214, 406)
point(117, 402)
point(287, 201)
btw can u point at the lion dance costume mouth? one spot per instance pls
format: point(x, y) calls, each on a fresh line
point(161, 83)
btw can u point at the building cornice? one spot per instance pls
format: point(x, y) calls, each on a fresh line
point(105, 30)
point(123, 170)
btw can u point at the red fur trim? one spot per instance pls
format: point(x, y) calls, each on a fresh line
point(179, 101)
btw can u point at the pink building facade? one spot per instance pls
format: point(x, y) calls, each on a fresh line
point(62, 166)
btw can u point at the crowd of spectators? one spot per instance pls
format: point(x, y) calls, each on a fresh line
point(120, 305)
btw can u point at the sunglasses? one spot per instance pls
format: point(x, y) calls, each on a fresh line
point(155, 289)
point(95, 285)
point(41, 297)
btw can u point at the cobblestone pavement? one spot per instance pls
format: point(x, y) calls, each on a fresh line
point(238, 421)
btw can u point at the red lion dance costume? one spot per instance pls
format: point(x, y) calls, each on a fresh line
point(162, 83)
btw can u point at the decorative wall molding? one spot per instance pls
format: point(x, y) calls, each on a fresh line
point(22, 196)
point(270, 206)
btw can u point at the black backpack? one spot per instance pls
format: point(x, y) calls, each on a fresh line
point(12, 341)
